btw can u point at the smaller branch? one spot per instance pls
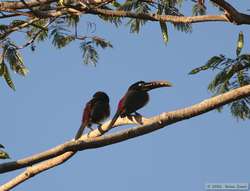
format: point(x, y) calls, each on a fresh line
point(16, 28)
point(32, 40)
point(16, 13)
point(35, 12)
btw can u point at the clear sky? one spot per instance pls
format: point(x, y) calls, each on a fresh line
point(46, 111)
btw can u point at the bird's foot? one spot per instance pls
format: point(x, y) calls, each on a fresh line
point(100, 128)
point(91, 129)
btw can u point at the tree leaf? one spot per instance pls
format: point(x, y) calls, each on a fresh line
point(90, 55)
point(240, 43)
point(101, 42)
point(164, 31)
point(199, 9)
point(15, 60)
point(4, 155)
point(7, 77)
point(212, 63)
point(240, 109)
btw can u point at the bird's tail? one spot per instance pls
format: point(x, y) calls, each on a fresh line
point(114, 119)
point(80, 131)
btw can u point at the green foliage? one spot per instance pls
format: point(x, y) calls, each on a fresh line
point(61, 34)
point(164, 31)
point(138, 7)
point(167, 7)
point(13, 57)
point(101, 42)
point(89, 53)
point(38, 28)
point(212, 63)
point(3, 154)
point(240, 108)
point(233, 73)
point(240, 43)
point(17, 22)
point(3, 28)
point(113, 20)
point(15, 60)
point(199, 9)
point(6, 75)
point(71, 20)
point(183, 27)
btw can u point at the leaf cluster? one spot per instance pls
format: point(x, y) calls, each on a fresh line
point(12, 59)
point(199, 8)
point(89, 52)
point(233, 73)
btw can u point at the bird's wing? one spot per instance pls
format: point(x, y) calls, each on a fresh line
point(118, 112)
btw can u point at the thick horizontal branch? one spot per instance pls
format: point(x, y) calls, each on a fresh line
point(14, 5)
point(67, 150)
point(156, 17)
point(231, 14)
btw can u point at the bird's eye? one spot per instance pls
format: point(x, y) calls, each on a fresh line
point(140, 84)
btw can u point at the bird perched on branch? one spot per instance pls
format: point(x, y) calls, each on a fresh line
point(95, 111)
point(135, 98)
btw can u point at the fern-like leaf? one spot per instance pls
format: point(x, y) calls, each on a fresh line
point(90, 55)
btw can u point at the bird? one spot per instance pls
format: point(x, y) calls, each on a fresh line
point(135, 98)
point(96, 110)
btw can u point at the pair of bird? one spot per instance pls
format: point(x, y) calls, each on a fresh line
point(136, 97)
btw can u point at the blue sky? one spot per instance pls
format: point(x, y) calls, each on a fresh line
point(46, 111)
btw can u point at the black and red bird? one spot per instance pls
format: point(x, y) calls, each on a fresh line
point(135, 98)
point(95, 111)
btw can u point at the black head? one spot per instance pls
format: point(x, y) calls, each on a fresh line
point(137, 85)
point(147, 86)
point(101, 96)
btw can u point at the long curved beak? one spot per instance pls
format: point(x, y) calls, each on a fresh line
point(156, 84)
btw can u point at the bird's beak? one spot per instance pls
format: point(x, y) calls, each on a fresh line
point(156, 84)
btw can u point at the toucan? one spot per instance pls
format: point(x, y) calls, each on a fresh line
point(96, 110)
point(135, 98)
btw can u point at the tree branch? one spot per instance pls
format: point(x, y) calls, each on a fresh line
point(232, 14)
point(14, 5)
point(156, 17)
point(18, 27)
point(94, 140)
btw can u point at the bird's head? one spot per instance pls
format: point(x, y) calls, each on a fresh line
point(101, 96)
point(147, 86)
